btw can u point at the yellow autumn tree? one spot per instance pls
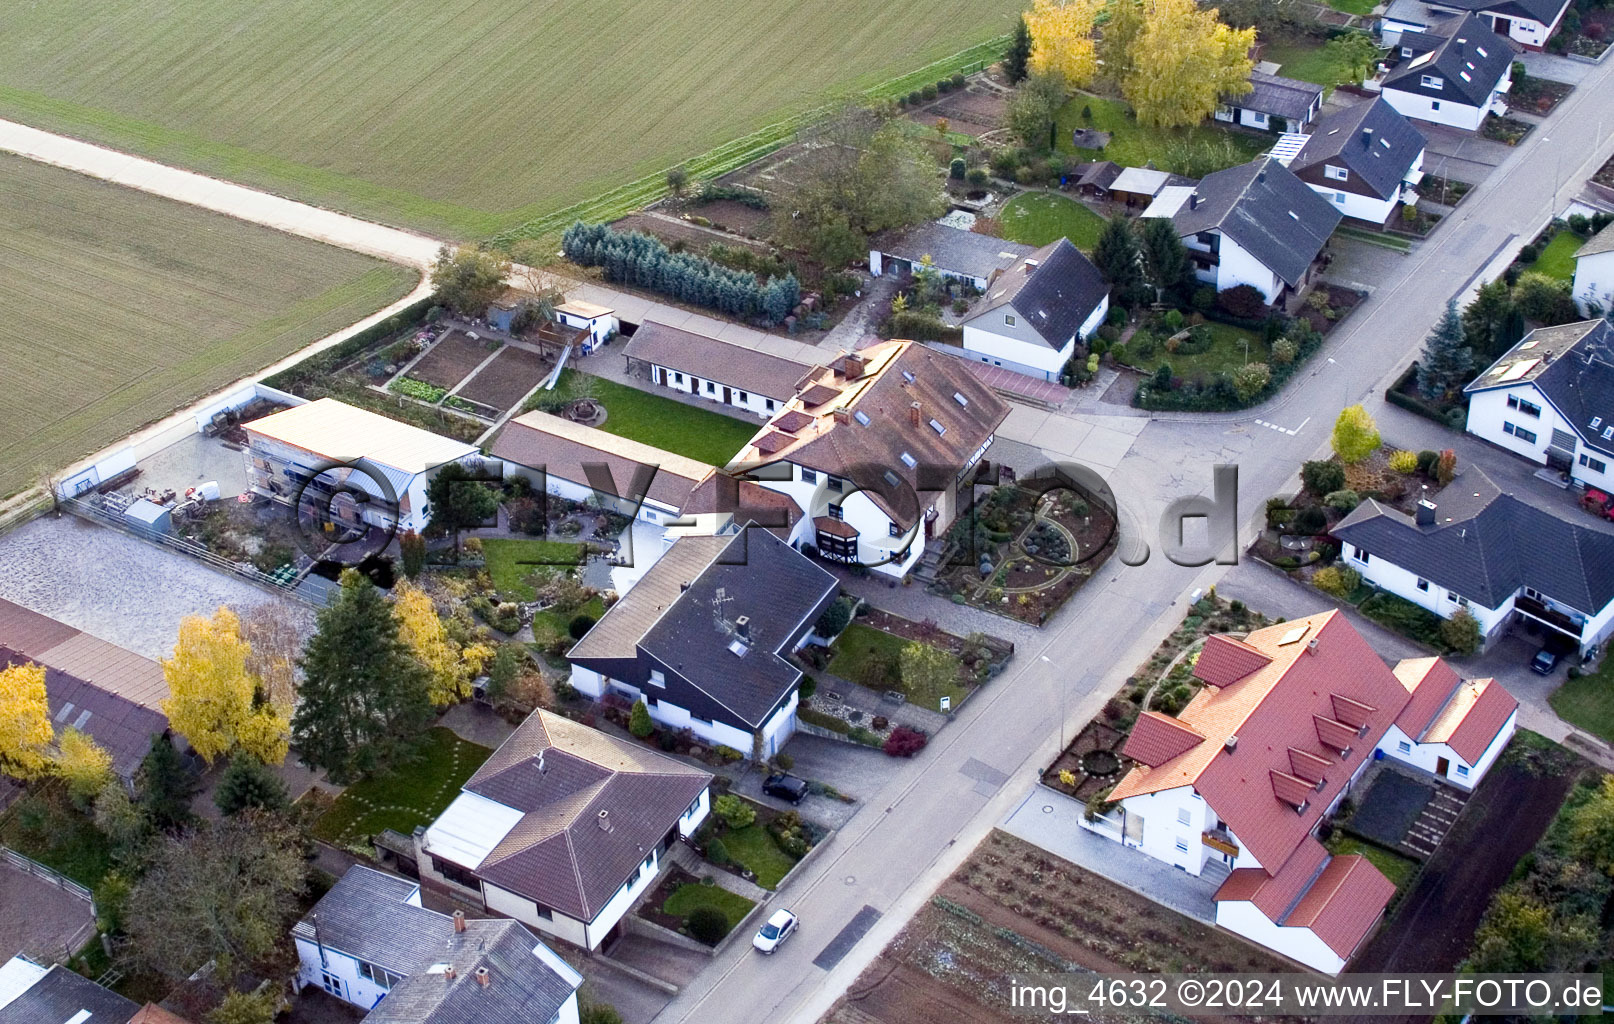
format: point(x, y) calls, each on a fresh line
point(1062, 39)
point(1182, 62)
point(421, 629)
point(215, 702)
point(82, 764)
point(25, 730)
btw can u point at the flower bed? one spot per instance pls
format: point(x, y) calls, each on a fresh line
point(409, 387)
point(680, 894)
point(1538, 95)
point(1505, 129)
point(1446, 191)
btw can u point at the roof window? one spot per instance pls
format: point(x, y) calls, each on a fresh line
point(961, 400)
point(1294, 636)
point(1597, 421)
point(909, 460)
point(907, 376)
point(938, 428)
point(891, 478)
point(862, 417)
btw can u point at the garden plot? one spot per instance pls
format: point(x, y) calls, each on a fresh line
point(974, 111)
point(506, 381)
point(446, 363)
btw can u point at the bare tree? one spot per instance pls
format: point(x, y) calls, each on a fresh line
point(274, 632)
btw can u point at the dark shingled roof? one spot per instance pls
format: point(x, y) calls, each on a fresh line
point(594, 807)
point(1544, 11)
point(60, 995)
point(1485, 545)
point(711, 359)
point(1099, 174)
point(962, 252)
point(1056, 296)
point(1269, 212)
point(1382, 159)
point(1273, 94)
point(1572, 365)
point(1473, 50)
point(367, 914)
point(776, 587)
point(1598, 244)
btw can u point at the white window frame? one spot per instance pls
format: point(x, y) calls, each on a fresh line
point(1404, 747)
point(658, 677)
point(1431, 81)
point(1009, 320)
point(1336, 173)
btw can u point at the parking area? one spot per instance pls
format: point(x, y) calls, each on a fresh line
point(116, 586)
point(1456, 154)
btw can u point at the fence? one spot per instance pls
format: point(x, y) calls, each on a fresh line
point(29, 866)
point(241, 570)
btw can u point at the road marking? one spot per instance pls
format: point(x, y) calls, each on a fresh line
point(1284, 430)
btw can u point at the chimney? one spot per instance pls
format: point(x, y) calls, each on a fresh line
point(854, 366)
point(843, 415)
point(913, 414)
point(1367, 137)
point(605, 820)
point(449, 974)
point(459, 922)
point(1311, 646)
point(483, 978)
point(742, 626)
point(1426, 513)
point(1231, 743)
point(683, 586)
point(1193, 200)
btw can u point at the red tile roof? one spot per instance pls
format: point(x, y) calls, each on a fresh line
point(1343, 903)
point(1471, 719)
point(1157, 738)
point(1225, 660)
point(1273, 895)
point(1431, 682)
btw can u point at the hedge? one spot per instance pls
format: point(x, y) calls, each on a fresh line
point(323, 364)
point(812, 716)
point(1396, 396)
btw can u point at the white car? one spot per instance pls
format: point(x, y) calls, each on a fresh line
point(781, 926)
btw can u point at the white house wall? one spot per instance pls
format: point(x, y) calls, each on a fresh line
point(695, 814)
point(1382, 573)
point(711, 389)
point(618, 905)
point(1235, 267)
point(599, 328)
point(1594, 282)
point(558, 925)
point(1351, 204)
point(586, 680)
point(1166, 836)
point(1454, 111)
point(1488, 411)
point(356, 989)
point(1033, 359)
point(1426, 756)
point(671, 715)
point(1302, 944)
point(650, 510)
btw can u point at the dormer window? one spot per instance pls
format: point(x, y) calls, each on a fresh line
point(1337, 173)
point(1431, 81)
point(1406, 51)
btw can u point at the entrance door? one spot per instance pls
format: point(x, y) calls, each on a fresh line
point(1504, 26)
point(661, 375)
point(728, 395)
point(694, 385)
point(1442, 767)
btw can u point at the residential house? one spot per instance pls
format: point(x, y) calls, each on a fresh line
point(369, 942)
point(1476, 549)
point(1550, 399)
point(1402, 18)
point(1033, 316)
point(705, 635)
point(563, 829)
point(110, 694)
point(953, 253)
point(1594, 273)
point(1273, 104)
point(1256, 224)
point(1458, 82)
point(1529, 23)
point(731, 375)
point(1234, 787)
point(1094, 179)
point(356, 465)
point(1365, 159)
point(877, 451)
point(600, 321)
point(31, 993)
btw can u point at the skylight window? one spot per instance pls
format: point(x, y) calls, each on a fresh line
point(1385, 143)
point(961, 400)
point(82, 718)
point(737, 648)
point(1479, 50)
point(862, 417)
point(891, 478)
point(938, 428)
point(1294, 636)
point(1465, 76)
point(911, 462)
point(907, 376)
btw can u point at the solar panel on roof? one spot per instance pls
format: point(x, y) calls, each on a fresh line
point(82, 718)
point(1294, 636)
point(938, 428)
point(67, 709)
point(1519, 369)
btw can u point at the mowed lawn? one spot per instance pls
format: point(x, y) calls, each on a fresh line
point(457, 119)
point(120, 307)
point(1037, 218)
point(664, 423)
point(1194, 151)
point(1557, 259)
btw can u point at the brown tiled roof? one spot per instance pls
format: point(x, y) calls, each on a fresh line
point(1225, 660)
point(1343, 903)
point(818, 394)
point(619, 629)
point(1157, 738)
point(834, 527)
point(594, 805)
point(711, 359)
point(792, 421)
point(746, 501)
point(773, 441)
point(1430, 681)
point(920, 403)
point(562, 448)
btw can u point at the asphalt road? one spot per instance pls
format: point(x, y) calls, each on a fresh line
point(911, 834)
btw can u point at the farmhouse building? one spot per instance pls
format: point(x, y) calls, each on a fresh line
point(1594, 274)
point(370, 943)
point(1457, 82)
point(563, 829)
point(877, 450)
point(731, 375)
point(1034, 315)
point(1255, 224)
point(1234, 787)
point(1367, 160)
point(1550, 399)
point(366, 467)
point(960, 255)
point(1273, 104)
point(704, 637)
point(110, 694)
point(1475, 549)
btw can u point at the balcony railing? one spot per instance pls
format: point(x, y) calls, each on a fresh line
point(1551, 616)
point(1221, 841)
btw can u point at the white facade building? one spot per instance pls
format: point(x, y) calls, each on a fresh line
point(731, 376)
point(1034, 315)
point(1594, 274)
point(1460, 81)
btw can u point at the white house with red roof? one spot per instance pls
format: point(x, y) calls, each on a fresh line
point(1289, 718)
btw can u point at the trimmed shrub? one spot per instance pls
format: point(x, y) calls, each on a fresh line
point(956, 169)
point(1251, 379)
point(707, 924)
point(905, 742)
point(929, 92)
point(1342, 500)
point(976, 176)
point(717, 853)
point(639, 722)
point(958, 80)
point(736, 813)
point(412, 549)
point(1461, 632)
point(1243, 301)
point(1427, 460)
point(1340, 582)
point(579, 625)
point(1322, 476)
point(834, 619)
point(1404, 462)
point(1311, 520)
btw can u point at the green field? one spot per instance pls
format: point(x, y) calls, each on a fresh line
point(1037, 218)
point(459, 119)
point(121, 307)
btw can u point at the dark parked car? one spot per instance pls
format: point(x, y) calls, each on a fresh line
point(785, 787)
point(1545, 661)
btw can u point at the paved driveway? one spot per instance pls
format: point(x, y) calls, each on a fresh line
point(1553, 67)
point(1465, 156)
